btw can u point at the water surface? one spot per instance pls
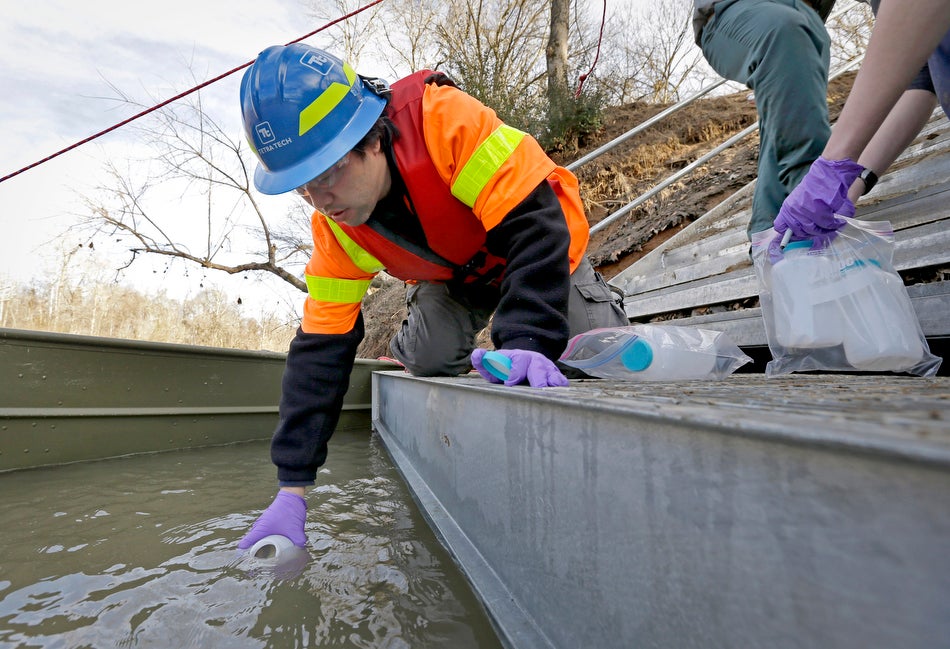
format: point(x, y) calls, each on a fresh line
point(141, 552)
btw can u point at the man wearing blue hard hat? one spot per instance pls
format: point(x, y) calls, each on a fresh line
point(425, 182)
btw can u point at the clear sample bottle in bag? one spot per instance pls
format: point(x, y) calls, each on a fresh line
point(804, 316)
point(881, 331)
point(653, 353)
point(857, 315)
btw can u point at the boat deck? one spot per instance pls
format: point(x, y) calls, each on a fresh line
point(803, 510)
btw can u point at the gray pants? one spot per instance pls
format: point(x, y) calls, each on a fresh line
point(439, 334)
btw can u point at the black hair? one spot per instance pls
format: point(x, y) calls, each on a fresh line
point(382, 131)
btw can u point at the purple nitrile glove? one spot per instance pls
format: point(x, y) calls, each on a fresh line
point(285, 516)
point(537, 368)
point(810, 210)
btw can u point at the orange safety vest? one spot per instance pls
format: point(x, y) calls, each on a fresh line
point(452, 230)
point(456, 192)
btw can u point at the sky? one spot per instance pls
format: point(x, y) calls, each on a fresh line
point(58, 59)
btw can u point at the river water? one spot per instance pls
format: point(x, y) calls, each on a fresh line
point(141, 552)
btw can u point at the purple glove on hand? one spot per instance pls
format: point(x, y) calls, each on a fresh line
point(285, 516)
point(537, 368)
point(809, 211)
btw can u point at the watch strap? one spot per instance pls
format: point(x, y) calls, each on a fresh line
point(869, 178)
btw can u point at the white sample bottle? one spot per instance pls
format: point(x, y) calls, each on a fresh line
point(802, 320)
point(277, 555)
point(273, 548)
point(881, 330)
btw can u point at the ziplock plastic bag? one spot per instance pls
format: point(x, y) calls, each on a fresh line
point(840, 308)
point(647, 352)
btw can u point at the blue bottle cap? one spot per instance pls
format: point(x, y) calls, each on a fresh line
point(497, 364)
point(794, 245)
point(637, 355)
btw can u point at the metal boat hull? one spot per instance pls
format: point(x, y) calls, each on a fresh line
point(67, 398)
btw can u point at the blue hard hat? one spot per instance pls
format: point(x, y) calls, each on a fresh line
point(303, 110)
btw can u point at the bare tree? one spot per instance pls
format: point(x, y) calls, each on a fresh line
point(494, 49)
point(556, 52)
point(671, 62)
point(226, 229)
point(408, 37)
point(850, 28)
point(348, 38)
point(517, 56)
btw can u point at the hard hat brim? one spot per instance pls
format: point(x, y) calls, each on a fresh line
point(285, 180)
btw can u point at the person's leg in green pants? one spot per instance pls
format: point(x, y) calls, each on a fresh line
point(779, 49)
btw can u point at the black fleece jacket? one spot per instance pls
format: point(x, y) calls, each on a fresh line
point(531, 314)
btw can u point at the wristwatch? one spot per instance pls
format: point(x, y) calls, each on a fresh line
point(869, 178)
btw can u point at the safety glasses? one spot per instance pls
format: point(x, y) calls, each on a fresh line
point(327, 179)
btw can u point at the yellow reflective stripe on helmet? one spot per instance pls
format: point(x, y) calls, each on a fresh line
point(327, 101)
point(487, 159)
point(363, 260)
point(332, 289)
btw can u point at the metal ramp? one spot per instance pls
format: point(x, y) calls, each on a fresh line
point(805, 510)
point(799, 511)
point(697, 276)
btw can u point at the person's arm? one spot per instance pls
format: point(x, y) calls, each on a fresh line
point(899, 129)
point(314, 383)
point(532, 311)
point(315, 380)
point(524, 222)
point(530, 325)
point(905, 33)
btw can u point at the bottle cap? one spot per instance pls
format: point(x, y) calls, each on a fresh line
point(637, 355)
point(795, 245)
point(497, 364)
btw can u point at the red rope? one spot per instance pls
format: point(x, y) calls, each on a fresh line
point(179, 96)
point(583, 77)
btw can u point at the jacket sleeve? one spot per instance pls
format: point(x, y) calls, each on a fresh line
point(315, 381)
point(329, 262)
point(534, 239)
point(462, 135)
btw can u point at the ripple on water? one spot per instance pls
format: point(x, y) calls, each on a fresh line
point(155, 563)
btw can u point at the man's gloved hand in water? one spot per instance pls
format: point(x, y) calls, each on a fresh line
point(286, 516)
point(536, 368)
point(809, 212)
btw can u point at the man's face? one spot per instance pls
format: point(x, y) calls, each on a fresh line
point(349, 190)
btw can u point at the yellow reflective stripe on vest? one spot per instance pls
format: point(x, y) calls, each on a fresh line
point(363, 260)
point(487, 159)
point(327, 101)
point(331, 289)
